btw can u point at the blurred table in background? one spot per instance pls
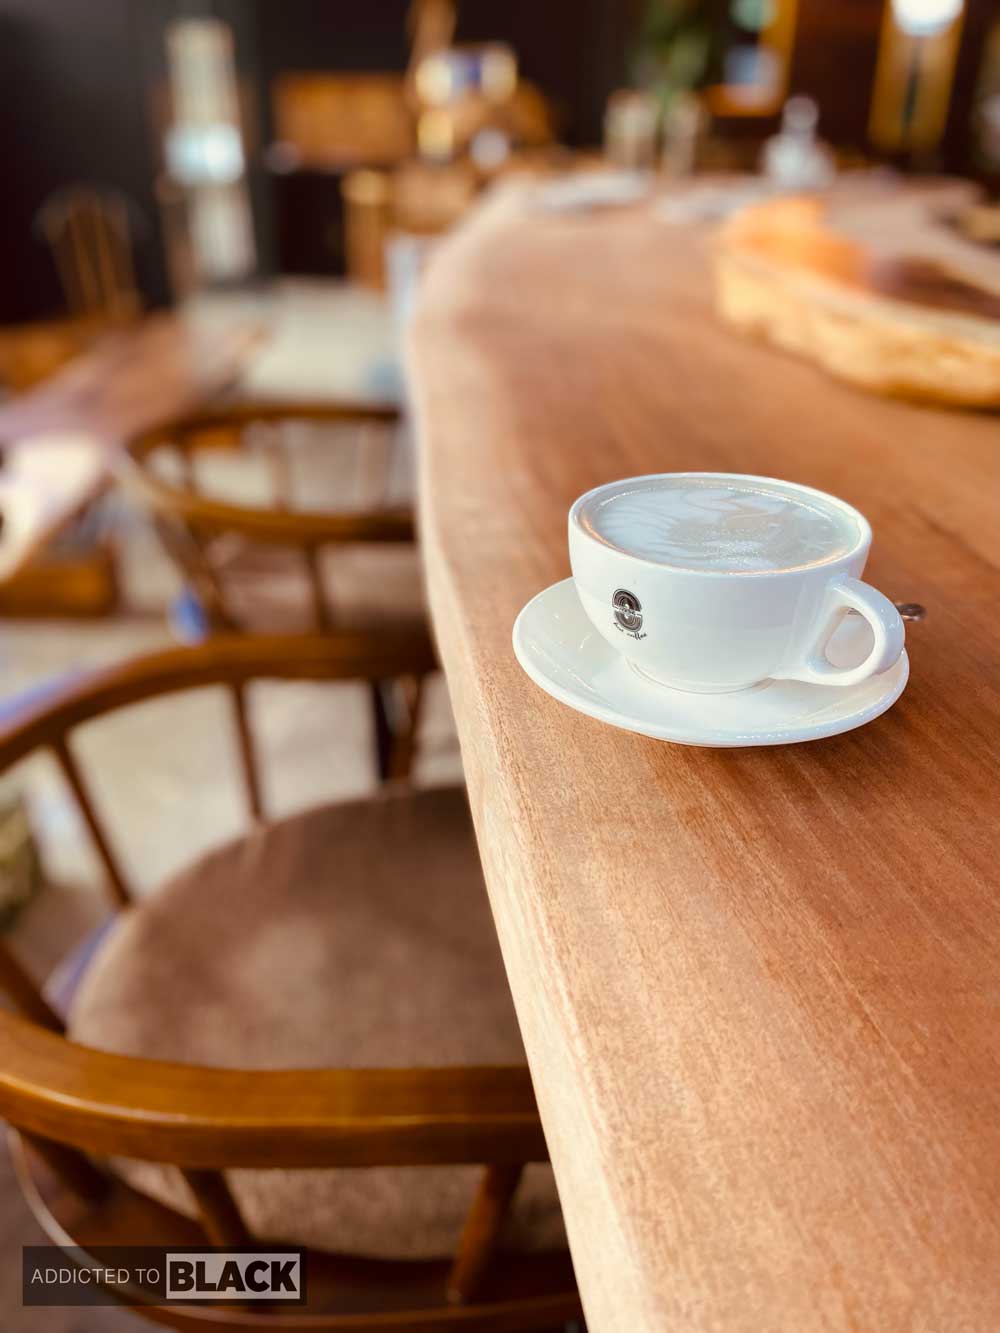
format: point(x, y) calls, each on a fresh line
point(758, 989)
point(56, 439)
point(31, 353)
point(131, 379)
point(41, 488)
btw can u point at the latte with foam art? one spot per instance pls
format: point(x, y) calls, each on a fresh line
point(725, 526)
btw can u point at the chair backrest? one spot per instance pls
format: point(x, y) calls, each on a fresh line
point(89, 232)
point(71, 1103)
point(190, 522)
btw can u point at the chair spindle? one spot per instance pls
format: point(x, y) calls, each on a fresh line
point(248, 754)
point(404, 742)
point(279, 466)
point(188, 470)
point(217, 1208)
point(87, 293)
point(25, 995)
point(76, 1171)
point(382, 724)
point(482, 1231)
point(188, 552)
point(119, 886)
point(321, 612)
point(374, 464)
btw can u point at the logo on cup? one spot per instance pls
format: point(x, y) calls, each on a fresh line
point(628, 611)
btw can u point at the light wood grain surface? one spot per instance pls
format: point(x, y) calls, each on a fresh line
point(758, 989)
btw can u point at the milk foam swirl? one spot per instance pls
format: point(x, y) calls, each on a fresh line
point(720, 525)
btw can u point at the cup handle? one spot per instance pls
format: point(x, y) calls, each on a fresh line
point(847, 594)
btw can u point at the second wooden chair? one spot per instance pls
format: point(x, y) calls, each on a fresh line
point(267, 558)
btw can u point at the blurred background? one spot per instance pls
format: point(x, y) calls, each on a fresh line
point(232, 134)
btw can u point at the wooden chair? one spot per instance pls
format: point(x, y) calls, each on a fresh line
point(197, 1031)
point(89, 231)
point(276, 567)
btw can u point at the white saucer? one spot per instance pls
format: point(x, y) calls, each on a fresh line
point(563, 653)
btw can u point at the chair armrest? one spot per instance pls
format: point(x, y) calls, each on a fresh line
point(281, 527)
point(43, 715)
point(284, 527)
point(235, 409)
point(200, 1117)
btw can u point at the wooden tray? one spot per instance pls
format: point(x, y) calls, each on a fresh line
point(877, 286)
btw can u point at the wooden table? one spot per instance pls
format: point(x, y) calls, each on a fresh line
point(759, 990)
point(56, 439)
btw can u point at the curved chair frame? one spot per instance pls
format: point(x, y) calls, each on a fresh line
point(69, 1103)
point(278, 526)
point(187, 522)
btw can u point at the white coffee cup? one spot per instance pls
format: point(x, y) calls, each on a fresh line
point(717, 616)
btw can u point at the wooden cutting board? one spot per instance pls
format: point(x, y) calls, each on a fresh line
point(878, 287)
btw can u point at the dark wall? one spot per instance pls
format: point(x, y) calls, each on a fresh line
point(575, 50)
point(836, 48)
point(331, 34)
point(73, 107)
point(979, 20)
point(77, 80)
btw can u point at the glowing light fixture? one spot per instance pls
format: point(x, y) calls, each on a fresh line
point(203, 152)
point(924, 18)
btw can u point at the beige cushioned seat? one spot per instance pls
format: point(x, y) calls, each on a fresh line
point(355, 935)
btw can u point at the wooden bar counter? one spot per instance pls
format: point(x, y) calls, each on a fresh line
point(759, 989)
